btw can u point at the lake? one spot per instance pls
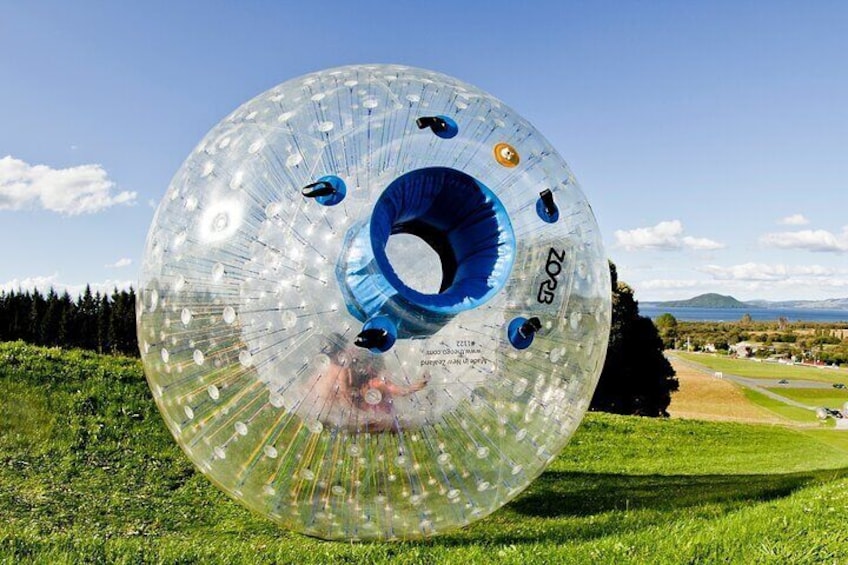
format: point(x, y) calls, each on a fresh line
point(735, 314)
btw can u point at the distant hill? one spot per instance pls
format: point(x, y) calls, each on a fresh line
point(827, 304)
point(709, 300)
point(713, 300)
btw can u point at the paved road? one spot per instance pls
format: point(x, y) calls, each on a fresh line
point(793, 383)
point(755, 384)
point(759, 385)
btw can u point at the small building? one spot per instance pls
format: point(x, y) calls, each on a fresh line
point(744, 349)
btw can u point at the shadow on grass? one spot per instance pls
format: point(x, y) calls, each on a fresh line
point(567, 507)
point(561, 494)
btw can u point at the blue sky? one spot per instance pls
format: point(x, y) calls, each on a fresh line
point(711, 138)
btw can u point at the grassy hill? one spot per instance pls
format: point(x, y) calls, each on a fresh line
point(89, 473)
point(709, 300)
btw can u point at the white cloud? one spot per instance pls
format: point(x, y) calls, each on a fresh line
point(44, 282)
point(765, 272)
point(665, 236)
point(810, 240)
point(701, 243)
point(795, 220)
point(795, 287)
point(84, 189)
point(122, 262)
point(669, 284)
point(745, 281)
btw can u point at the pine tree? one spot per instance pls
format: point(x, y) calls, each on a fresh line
point(104, 320)
point(87, 321)
point(67, 320)
point(23, 311)
point(123, 322)
point(36, 317)
point(52, 317)
point(4, 316)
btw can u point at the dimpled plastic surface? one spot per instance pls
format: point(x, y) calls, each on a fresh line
point(246, 339)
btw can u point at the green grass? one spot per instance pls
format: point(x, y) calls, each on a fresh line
point(838, 440)
point(793, 413)
point(832, 398)
point(88, 473)
point(754, 369)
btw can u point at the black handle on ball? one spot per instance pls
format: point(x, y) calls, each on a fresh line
point(433, 122)
point(548, 202)
point(530, 327)
point(322, 188)
point(371, 338)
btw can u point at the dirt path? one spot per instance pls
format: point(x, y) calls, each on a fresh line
point(704, 397)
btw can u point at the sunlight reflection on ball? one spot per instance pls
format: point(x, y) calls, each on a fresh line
point(268, 260)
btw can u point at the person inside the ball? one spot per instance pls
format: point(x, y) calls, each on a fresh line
point(355, 391)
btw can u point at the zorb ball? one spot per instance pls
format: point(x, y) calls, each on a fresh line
point(374, 304)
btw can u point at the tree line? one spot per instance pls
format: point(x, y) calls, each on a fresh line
point(99, 322)
point(825, 342)
point(636, 378)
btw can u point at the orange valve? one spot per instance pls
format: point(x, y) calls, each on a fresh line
point(506, 155)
